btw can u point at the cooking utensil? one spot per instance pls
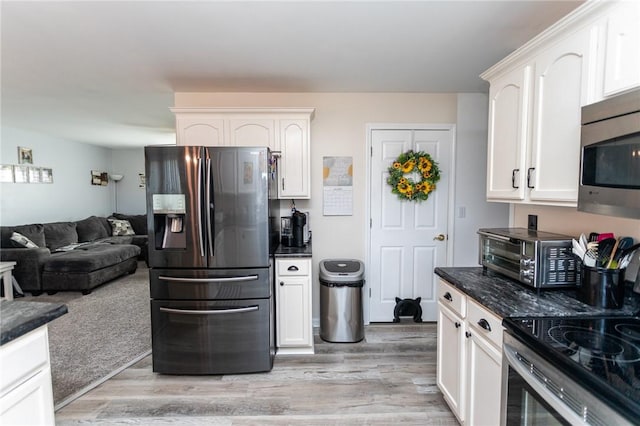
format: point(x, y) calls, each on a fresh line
point(583, 242)
point(604, 250)
point(578, 250)
point(593, 237)
point(605, 235)
point(613, 254)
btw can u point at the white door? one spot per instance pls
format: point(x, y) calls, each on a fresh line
point(405, 244)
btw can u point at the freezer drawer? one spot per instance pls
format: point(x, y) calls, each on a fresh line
point(212, 337)
point(210, 284)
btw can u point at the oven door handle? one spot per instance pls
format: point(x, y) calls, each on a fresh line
point(209, 280)
point(209, 312)
point(549, 397)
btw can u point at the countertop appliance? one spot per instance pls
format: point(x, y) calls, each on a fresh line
point(534, 258)
point(610, 157)
point(571, 371)
point(211, 277)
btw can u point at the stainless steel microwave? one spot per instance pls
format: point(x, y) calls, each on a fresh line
point(610, 157)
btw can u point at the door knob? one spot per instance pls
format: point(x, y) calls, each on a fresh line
point(440, 237)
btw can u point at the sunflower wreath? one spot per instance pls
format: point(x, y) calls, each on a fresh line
point(413, 176)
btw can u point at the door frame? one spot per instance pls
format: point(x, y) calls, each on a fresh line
point(371, 127)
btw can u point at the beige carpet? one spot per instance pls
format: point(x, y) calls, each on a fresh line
point(103, 332)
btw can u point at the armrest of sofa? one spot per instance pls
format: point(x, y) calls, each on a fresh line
point(29, 265)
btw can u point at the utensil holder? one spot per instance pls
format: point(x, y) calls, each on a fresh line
point(601, 287)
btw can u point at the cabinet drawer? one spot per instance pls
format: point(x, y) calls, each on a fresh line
point(452, 298)
point(485, 323)
point(293, 267)
point(23, 358)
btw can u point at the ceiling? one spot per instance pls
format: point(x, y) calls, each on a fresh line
point(104, 72)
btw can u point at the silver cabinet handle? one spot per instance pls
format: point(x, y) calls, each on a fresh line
point(209, 312)
point(208, 280)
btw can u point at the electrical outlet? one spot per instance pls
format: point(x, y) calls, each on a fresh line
point(532, 222)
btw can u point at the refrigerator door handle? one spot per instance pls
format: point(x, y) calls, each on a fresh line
point(208, 201)
point(209, 312)
point(199, 198)
point(209, 280)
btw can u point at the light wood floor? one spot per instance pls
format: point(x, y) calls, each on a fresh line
point(388, 379)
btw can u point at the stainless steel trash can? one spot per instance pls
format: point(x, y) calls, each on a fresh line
point(341, 283)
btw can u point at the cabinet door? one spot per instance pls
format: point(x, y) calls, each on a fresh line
point(294, 311)
point(560, 79)
point(451, 356)
point(252, 132)
point(294, 165)
point(199, 131)
point(508, 134)
point(622, 47)
point(484, 381)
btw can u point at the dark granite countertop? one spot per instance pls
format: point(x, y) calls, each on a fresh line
point(18, 317)
point(508, 298)
point(283, 251)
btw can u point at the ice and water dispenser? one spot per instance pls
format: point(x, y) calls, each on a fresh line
point(169, 212)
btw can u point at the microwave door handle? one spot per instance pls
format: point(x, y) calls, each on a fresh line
point(549, 397)
point(199, 209)
point(209, 208)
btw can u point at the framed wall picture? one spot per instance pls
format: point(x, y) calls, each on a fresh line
point(21, 174)
point(6, 173)
point(46, 175)
point(25, 155)
point(34, 175)
point(99, 178)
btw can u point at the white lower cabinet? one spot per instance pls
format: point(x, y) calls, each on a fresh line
point(469, 357)
point(26, 395)
point(294, 328)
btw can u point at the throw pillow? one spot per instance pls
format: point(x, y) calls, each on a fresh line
point(21, 241)
point(59, 234)
point(120, 227)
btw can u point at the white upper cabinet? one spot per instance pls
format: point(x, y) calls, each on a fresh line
point(253, 132)
point(286, 131)
point(200, 130)
point(561, 77)
point(536, 95)
point(621, 29)
point(508, 134)
point(294, 168)
point(534, 126)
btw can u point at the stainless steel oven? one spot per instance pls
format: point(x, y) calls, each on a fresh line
point(568, 371)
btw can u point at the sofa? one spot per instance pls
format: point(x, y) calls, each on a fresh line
point(74, 256)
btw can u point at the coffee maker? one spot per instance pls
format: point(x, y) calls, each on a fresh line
point(298, 221)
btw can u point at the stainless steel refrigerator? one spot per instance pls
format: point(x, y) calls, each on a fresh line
point(211, 235)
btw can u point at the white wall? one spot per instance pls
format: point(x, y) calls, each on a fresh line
point(71, 195)
point(130, 164)
point(471, 210)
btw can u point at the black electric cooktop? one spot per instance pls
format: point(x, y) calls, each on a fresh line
point(601, 353)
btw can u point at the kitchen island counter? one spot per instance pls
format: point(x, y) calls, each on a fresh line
point(20, 317)
point(507, 298)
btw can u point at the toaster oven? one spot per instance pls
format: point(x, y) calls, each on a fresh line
point(534, 258)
